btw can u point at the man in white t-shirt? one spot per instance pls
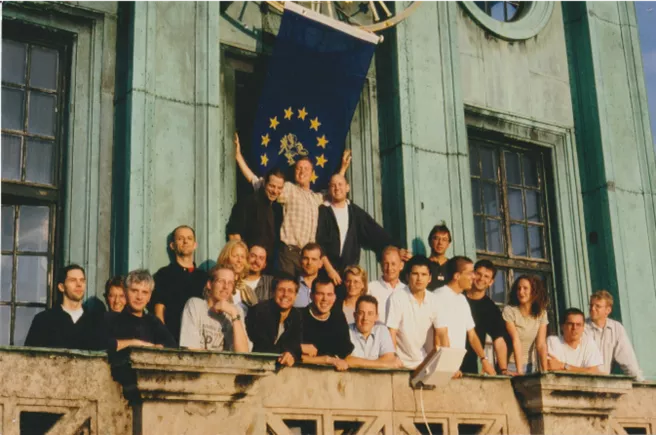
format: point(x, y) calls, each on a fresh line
point(391, 264)
point(413, 316)
point(259, 283)
point(573, 351)
point(457, 319)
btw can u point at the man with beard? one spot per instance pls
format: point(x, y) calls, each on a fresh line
point(257, 263)
point(68, 325)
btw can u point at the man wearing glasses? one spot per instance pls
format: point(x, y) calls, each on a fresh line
point(573, 351)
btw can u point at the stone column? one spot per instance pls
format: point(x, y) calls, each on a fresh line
point(423, 140)
point(565, 403)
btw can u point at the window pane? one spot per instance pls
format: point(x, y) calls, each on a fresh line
point(5, 290)
point(42, 114)
point(535, 239)
point(489, 162)
point(530, 172)
point(496, 11)
point(33, 228)
point(473, 161)
point(491, 199)
point(31, 279)
point(498, 288)
point(513, 173)
point(518, 237)
point(24, 316)
point(7, 227)
point(12, 108)
point(478, 232)
point(515, 204)
point(43, 72)
point(11, 157)
point(533, 206)
point(39, 161)
point(13, 62)
point(494, 236)
point(476, 196)
point(5, 325)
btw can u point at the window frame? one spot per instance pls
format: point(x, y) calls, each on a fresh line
point(18, 193)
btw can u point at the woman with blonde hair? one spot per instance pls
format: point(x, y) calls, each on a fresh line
point(355, 281)
point(234, 254)
point(526, 322)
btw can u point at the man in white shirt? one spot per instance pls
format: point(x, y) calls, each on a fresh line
point(413, 316)
point(611, 337)
point(573, 351)
point(259, 283)
point(391, 264)
point(457, 321)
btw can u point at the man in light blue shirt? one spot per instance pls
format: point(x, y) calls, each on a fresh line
point(373, 346)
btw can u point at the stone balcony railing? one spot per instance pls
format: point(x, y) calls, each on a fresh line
point(149, 391)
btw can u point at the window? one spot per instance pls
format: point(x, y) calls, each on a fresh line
point(511, 21)
point(501, 11)
point(33, 97)
point(510, 212)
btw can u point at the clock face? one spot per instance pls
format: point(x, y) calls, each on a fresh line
point(371, 15)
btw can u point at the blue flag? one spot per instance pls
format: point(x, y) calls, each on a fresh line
point(312, 87)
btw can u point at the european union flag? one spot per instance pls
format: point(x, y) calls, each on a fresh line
point(310, 93)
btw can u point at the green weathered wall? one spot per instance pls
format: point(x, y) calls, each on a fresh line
point(617, 165)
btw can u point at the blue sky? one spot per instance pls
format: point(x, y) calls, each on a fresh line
point(646, 12)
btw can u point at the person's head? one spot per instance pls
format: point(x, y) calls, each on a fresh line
point(366, 313)
point(391, 263)
point(274, 180)
point(529, 289)
point(460, 272)
point(285, 290)
point(601, 305)
point(419, 274)
point(355, 281)
point(234, 254)
point(115, 293)
point(257, 259)
point(72, 283)
point(484, 273)
point(338, 188)
point(439, 239)
point(139, 285)
point(303, 171)
point(220, 283)
point(311, 255)
point(323, 294)
point(573, 325)
point(183, 241)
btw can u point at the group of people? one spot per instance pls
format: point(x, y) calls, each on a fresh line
point(288, 281)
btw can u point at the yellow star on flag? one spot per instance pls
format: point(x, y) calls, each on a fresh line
point(264, 160)
point(314, 124)
point(322, 141)
point(321, 160)
point(302, 114)
point(288, 113)
point(314, 177)
point(274, 122)
point(266, 139)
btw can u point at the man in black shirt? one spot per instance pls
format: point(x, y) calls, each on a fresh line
point(133, 326)
point(256, 218)
point(177, 282)
point(326, 338)
point(68, 325)
point(274, 325)
point(439, 241)
point(487, 318)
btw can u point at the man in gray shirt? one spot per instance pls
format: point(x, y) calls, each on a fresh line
point(611, 337)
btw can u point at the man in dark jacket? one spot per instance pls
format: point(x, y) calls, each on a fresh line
point(274, 325)
point(256, 218)
point(68, 325)
point(344, 228)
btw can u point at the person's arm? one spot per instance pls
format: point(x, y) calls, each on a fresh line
point(159, 312)
point(386, 361)
point(370, 234)
point(541, 346)
point(331, 271)
point(346, 161)
point(441, 338)
point(517, 346)
point(122, 344)
point(477, 347)
point(625, 356)
point(555, 364)
point(501, 350)
point(309, 350)
point(236, 317)
point(241, 162)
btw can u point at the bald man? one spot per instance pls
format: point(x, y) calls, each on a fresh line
point(344, 228)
